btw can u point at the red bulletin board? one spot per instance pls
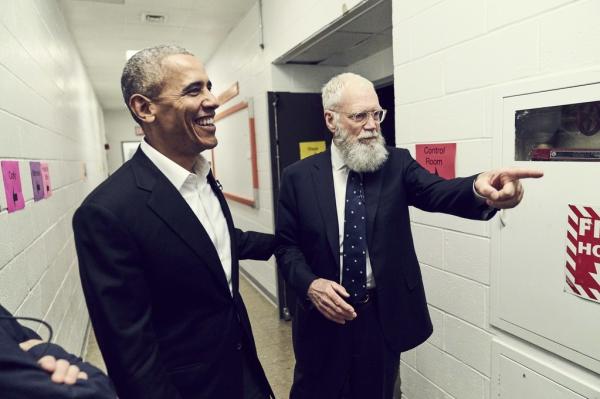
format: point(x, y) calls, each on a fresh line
point(438, 158)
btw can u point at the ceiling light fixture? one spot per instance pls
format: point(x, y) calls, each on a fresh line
point(154, 18)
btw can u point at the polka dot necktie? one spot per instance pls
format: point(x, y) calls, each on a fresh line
point(354, 273)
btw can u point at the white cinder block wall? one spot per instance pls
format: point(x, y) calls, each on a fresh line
point(48, 112)
point(449, 57)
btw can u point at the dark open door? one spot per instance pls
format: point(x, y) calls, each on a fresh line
point(386, 100)
point(293, 118)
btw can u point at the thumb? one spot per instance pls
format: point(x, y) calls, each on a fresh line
point(485, 189)
point(340, 290)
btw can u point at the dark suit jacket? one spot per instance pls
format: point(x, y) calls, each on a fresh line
point(307, 232)
point(22, 378)
point(166, 322)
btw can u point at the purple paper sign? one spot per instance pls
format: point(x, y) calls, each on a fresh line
point(37, 182)
point(12, 185)
point(46, 180)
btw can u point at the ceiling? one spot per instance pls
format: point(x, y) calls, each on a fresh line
point(105, 29)
point(357, 34)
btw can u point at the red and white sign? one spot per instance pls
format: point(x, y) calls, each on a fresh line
point(438, 158)
point(583, 252)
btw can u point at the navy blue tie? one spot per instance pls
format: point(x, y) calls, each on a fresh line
point(354, 272)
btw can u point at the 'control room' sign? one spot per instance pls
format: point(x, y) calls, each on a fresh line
point(438, 158)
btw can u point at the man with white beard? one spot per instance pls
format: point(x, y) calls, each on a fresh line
point(345, 246)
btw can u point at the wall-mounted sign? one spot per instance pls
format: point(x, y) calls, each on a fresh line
point(138, 130)
point(238, 170)
point(308, 148)
point(12, 185)
point(46, 180)
point(438, 158)
point(229, 93)
point(37, 182)
point(583, 252)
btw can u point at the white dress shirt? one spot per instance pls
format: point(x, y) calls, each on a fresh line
point(197, 192)
point(340, 179)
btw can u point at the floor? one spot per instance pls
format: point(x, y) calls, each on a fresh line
point(273, 341)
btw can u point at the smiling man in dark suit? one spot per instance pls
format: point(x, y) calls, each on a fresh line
point(158, 252)
point(346, 248)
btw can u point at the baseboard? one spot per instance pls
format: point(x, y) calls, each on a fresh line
point(86, 341)
point(259, 287)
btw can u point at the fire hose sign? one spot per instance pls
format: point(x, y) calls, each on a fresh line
point(583, 252)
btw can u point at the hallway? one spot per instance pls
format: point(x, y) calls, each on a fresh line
point(273, 340)
point(466, 86)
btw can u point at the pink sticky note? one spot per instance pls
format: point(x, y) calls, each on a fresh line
point(46, 180)
point(12, 185)
point(37, 183)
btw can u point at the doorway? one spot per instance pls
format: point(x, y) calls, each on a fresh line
point(293, 118)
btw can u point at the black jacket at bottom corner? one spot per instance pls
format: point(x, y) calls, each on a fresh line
point(22, 378)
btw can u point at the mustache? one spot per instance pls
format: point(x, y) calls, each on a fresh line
point(367, 135)
point(344, 135)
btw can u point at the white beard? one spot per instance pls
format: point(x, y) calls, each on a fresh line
point(361, 157)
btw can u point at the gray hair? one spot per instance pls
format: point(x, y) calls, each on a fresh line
point(332, 91)
point(143, 73)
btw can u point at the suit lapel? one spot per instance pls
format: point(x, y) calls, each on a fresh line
point(372, 186)
point(322, 175)
point(168, 204)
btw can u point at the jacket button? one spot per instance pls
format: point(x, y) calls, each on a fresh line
point(238, 346)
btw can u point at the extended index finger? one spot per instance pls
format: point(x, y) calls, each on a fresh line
point(523, 173)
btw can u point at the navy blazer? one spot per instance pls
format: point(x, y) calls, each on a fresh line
point(22, 378)
point(166, 321)
point(308, 240)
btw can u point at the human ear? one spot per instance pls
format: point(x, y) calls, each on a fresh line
point(330, 121)
point(142, 107)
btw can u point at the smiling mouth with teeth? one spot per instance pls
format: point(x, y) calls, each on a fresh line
point(205, 121)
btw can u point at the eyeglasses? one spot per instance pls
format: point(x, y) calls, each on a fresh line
point(363, 117)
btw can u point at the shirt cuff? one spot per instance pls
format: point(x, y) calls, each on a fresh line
point(485, 213)
point(480, 197)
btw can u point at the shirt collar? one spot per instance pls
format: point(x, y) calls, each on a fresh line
point(175, 173)
point(337, 161)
